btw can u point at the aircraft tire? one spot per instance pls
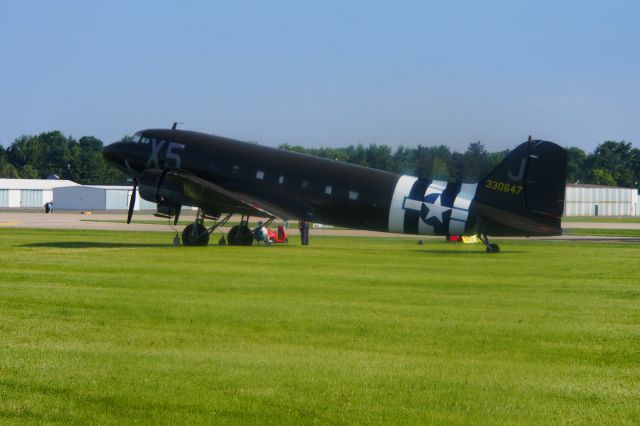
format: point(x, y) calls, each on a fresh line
point(493, 248)
point(240, 235)
point(200, 239)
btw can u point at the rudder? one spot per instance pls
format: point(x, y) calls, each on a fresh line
point(524, 194)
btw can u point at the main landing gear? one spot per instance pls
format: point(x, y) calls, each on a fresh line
point(491, 247)
point(241, 235)
point(197, 234)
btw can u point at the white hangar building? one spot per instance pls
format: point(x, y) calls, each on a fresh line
point(597, 200)
point(29, 193)
point(97, 197)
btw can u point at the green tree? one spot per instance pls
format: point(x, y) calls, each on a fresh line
point(493, 159)
point(617, 159)
point(90, 167)
point(26, 150)
point(60, 153)
point(635, 165)
point(474, 165)
point(434, 162)
point(357, 155)
point(600, 176)
point(28, 172)
point(403, 161)
point(333, 153)
point(576, 165)
point(422, 169)
point(294, 148)
point(379, 157)
point(8, 170)
point(50, 153)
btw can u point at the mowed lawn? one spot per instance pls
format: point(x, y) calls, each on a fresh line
point(121, 327)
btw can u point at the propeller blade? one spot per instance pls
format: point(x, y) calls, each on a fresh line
point(175, 219)
point(132, 203)
point(128, 166)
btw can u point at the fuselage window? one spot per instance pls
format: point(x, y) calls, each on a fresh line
point(281, 180)
point(353, 195)
point(328, 189)
point(236, 170)
point(305, 183)
point(260, 175)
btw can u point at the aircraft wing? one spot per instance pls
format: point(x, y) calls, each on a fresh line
point(215, 198)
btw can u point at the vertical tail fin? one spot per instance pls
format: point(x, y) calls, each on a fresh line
point(524, 194)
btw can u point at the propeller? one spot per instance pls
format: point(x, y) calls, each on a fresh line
point(177, 216)
point(132, 200)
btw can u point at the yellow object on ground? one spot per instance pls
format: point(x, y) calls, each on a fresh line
point(470, 239)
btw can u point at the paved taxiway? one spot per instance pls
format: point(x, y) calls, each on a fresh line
point(107, 222)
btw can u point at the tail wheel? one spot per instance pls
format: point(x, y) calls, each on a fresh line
point(493, 248)
point(195, 235)
point(240, 235)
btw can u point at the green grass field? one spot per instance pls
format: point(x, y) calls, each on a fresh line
point(121, 327)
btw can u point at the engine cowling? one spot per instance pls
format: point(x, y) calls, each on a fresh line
point(155, 186)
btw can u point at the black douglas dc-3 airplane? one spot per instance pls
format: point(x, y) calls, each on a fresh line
point(522, 196)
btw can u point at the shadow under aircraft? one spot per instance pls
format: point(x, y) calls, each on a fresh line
point(522, 196)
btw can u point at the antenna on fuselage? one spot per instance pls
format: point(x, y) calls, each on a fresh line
point(175, 125)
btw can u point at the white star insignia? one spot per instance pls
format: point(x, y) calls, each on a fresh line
point(436, 209)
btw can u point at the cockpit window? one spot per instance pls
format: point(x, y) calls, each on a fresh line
point(136, 138)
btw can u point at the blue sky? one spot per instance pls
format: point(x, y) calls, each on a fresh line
point(329, 73)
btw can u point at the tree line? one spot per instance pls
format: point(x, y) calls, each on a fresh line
point(612, 163)
point(52, 153)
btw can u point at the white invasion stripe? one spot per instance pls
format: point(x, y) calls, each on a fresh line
point(396, 212)
point(437, 186)
point(410, 204)
point(466, 194)
point(460, 211)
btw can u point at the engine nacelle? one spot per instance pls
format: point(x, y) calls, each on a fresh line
point(155, 186)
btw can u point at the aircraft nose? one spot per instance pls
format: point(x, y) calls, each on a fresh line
point(119, 153)
point(111, 152)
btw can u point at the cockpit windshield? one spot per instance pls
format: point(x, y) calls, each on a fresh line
point(139, 138)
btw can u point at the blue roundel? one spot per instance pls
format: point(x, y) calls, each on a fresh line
point(433, 212)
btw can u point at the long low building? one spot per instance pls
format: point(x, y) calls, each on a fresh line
point(597, 200)
point(97, 197)
point(29, 193)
